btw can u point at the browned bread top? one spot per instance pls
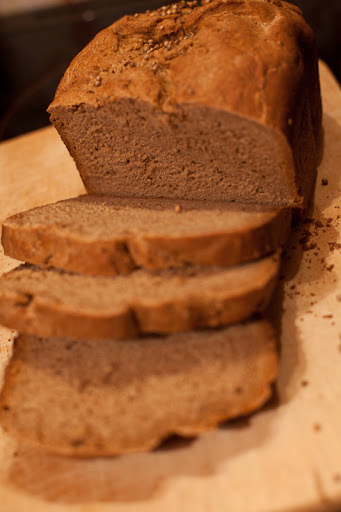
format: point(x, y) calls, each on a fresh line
point(91, 398)
point(105, 235)
point(241, 56)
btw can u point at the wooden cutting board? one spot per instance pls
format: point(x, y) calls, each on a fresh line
point(284, 458)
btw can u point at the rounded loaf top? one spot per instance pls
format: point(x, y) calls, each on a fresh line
point(234, 55)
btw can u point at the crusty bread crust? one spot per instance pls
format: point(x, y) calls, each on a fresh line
point(103, 235)
point(56, 303)
point(91, 398)
point(232, 86)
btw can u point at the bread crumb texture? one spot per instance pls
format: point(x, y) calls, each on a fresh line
point(102, 398)
point(57, 303)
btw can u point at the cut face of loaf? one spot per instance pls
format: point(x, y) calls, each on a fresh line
point(55, 303)
point(106, 235)
point(216, 102)
point(95, 398)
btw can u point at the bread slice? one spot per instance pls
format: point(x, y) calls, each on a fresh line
point(105, 235)
point(56, 303)
point(174, 103)
point(91, 398)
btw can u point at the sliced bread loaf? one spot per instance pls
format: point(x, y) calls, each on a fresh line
point(91, 398)
point(105, 235)
point(218, 101)
point(56, 303)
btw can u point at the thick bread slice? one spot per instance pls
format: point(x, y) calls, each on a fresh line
point(56, 303)
point(91, 398)
point(105, 235)
point(219, 101)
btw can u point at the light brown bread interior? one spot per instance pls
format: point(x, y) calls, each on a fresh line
point(105, 235)
point(57, 303)
point(90, 398)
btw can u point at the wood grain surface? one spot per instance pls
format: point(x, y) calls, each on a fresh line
point(285, 458)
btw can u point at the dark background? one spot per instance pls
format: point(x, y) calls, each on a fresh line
point(36, 48)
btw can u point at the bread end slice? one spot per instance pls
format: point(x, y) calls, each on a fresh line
point(90, 398)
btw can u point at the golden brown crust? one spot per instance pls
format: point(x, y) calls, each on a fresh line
point(107, 398)
point(264, 32)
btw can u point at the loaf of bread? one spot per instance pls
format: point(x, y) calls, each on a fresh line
point(105, 235)
point(213, 102)
point(176, 119)
point(56, 303)
point(90, 398)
